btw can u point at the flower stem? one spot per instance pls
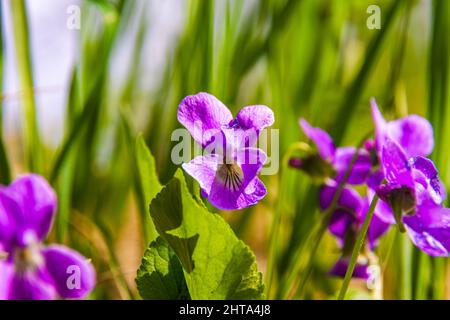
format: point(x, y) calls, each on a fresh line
point(293, 271)
point(23, 57)
point(357, 248)
point(274, 234)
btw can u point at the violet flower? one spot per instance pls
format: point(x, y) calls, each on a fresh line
point(345, 223)
point(29, 269)
point(228, 173)
point(413, 192)
point(331, 162)
point(415, 195)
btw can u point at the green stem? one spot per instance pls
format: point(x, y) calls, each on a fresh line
point(5, 169)
point(23, 57)
point(357, 248)
point(292, 274)
point(274, 234)
point(316, 243)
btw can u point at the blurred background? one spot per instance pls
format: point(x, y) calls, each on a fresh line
point(80, 80)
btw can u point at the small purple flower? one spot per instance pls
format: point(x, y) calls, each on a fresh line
point(345, 223)
point(32, 271)
point(228, 174)
point(332, 162)
point(415, 195)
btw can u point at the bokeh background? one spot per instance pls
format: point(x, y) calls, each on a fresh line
point(73, 101)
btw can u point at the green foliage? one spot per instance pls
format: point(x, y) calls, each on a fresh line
point(148, 185)
point(216, 264)
point(147, 171)
point(160, 276)
point(32, 149)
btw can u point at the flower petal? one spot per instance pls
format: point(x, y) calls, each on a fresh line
point(26, 285)
point(37, 202)
point(225, 199)
point(347, 213)
point(6, 278)
point(380, 126)
point(361, 271)
point(349, 199)
point(208, 171)
point(251, 120)
point(322, 140)
point(204, 169)
point(9, 210)
point(361, 168)
point(203, 115)
point(250, 191)
point(428, 184)
point(383, 211)
point(429, 229)
point(73, 275)
point(414, 134)
point(341, 222)
point(251, 161)
point(395, 165)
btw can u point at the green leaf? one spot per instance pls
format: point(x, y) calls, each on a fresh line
point(216, 264)
point(147, 171)
point(160, 276)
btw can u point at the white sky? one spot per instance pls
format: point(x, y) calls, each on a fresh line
point(54, 51)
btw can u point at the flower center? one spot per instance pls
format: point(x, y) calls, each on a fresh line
point(27, 258)
point(231, 175)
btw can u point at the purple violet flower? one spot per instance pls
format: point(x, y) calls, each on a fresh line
point(345, 223)
point(29, 270)
point(228, 173)
point(331, 162)
point(413, 194)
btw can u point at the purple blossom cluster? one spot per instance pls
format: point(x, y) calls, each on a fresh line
point(393, 166)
